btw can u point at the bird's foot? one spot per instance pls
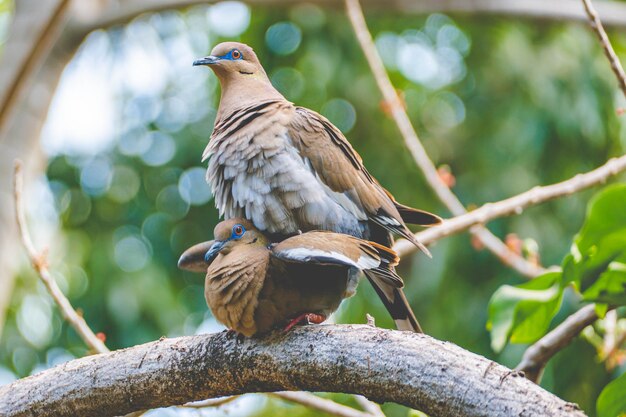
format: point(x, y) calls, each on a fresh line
point(310, 318)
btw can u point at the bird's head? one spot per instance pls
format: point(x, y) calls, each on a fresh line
point(233, 60)
point(232, 233)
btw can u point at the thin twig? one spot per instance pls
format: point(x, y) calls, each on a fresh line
point(211, 402)
point(40, 265)
point(322, 404)
point(370, 407)
point(538, 354)
point(401, 118)
point(596, 25)
point(307, 399)
point(516, 204)
point(40, 48)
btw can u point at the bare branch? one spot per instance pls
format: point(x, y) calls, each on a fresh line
point(412, 369)
point(369, 406)
point(417, 150)
point(538, 354)
point(516, 204)
point(112, 12)
point(211, 402)
point(319, 403)
point(596, 25)
point(41, 267)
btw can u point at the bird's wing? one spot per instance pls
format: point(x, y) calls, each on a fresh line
point(193, 258)
point(341, 168)
point(328, 248)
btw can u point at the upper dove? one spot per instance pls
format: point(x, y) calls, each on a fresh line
point(290, 170)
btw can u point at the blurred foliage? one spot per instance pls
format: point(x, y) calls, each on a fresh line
point(6, 10)
point(595, 267)
point(505, 104)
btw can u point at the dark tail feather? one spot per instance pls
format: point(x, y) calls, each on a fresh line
point(414, 216)
point(396, 303)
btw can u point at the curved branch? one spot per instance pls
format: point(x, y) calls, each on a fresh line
point(415, 147)
point(515, 204)
point(538, 354)
point(40, 265)
point(411, 369)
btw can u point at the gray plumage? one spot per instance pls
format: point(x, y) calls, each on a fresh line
point(289, 170)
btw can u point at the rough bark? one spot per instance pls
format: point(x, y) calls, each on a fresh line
point(415, 370)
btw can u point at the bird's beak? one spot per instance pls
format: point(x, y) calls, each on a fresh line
point(215, 249)
point(207, 60)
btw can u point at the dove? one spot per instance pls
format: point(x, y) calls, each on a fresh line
point(253, 286)
point(288, 169)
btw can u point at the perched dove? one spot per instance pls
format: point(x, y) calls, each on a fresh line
point(253, 286)
point(289, 170)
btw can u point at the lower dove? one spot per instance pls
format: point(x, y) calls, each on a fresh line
point(253, 286)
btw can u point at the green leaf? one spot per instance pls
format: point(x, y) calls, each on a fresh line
point(596, 265)
point(523, 313)
point(612, 399)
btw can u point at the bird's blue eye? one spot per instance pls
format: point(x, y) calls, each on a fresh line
point(238, 231)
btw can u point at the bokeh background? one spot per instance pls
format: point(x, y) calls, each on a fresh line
point(505, 103)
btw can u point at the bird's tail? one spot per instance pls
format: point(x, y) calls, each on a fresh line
point(396, 303)
point(415, 216)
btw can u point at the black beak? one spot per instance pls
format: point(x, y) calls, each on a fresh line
point(215, 249)
point(207, 60)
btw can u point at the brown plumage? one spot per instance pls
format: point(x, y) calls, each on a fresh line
point(253, 286)
point(288, 169)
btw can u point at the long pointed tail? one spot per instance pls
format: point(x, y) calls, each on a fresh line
point(396, 303)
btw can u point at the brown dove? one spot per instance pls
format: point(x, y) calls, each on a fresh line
point(253, 286)
point(289, 170)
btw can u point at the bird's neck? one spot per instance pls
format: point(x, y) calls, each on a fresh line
point(245, 91)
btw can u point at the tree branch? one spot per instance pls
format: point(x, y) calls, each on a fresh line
point(79, 324)
point(538, 354)
point(41, 267)
point(400, 116)
point(515, 205)
point(596, 25)
point(407, 368)
point(112, 13)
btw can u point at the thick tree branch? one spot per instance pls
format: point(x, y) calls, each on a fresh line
point(538, 354)
point(401, 118)
point(79, 324)
point(516, 204)
point(407, 368)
